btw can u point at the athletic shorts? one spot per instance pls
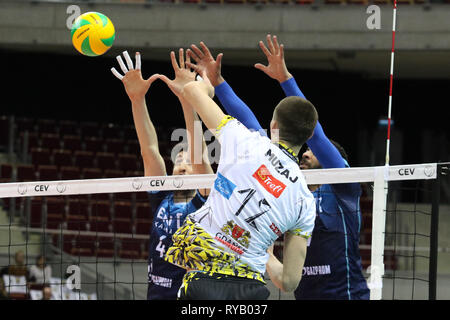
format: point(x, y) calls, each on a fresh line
point(206, 286)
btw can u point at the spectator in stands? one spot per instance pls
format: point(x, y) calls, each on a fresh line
point(3, 293)
point(47, 293)
point(19, 268)
point(40, 273)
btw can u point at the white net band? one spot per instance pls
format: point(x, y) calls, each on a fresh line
point(191, 182)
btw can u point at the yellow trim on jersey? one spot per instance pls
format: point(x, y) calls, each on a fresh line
point(194, 249)
point(287, 149)
point(222, 123)
point(301, 233)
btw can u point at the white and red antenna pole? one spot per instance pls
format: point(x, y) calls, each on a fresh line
point(388, 140)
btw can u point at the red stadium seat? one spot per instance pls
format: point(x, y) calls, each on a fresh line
point(115, 145)
point(122, 226)
point(46, 125)
point(55, 212)
point(144, 252)
point(110, 173)
point(142, 196)
point(106, 160)
point(100, 211)
point(92, 173)
point(143, 227)
point(136, 173)
point(112, 131)
point(36, 212)
point(33, 141)
point(100, 226)
point(129, 132)
point(127, 162)
point(123, 210)
point(68, 127)
point(143, 210)
point(50, 141)
point(132, 146)
point(62, 157)
point(130, 248)
point(26, 172)
point(83, 159)
point(70, 173)
point(6, 173)
point(106, 247)
point(4, 131)
point(47, 173)
point(304, 1)
point(40, 156)
point(124, 196)
point(74, 225)
point(25, 124)
point(94, 144)
point(84, 246)
point(71, 142)
point(78, 210)
point(90, 129)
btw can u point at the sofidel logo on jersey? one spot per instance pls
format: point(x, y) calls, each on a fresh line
point(269, 182)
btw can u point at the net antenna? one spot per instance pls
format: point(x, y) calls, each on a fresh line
point(380, 194)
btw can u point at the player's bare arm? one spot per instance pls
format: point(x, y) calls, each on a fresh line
point(287, 275)
point(136, 88)
point(199, 95)
point(274, 52)
point(184, 75)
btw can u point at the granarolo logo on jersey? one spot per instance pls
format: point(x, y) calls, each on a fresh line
point(269, 182)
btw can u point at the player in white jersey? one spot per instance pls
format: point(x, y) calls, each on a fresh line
point(258, 195)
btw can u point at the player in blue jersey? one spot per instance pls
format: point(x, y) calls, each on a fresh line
point(332, 267)
point(170, 208)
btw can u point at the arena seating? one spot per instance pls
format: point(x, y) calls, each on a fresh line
point(68, 150)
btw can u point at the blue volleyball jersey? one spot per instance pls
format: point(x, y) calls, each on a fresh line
point(164, 278)
point(332, 268)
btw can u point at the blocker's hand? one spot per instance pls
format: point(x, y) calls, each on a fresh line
point(206, 63)
point(183, 73)
point(135, 86)
point(276, 69)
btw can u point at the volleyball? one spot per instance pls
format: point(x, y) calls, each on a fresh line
point(92, 34)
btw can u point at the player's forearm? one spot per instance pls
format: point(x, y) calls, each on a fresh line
point(291, 88)
point(235, 107)
point(148, 140)
point(196, 142)
point(275, 270)
point(145, 130)
point(198, 96)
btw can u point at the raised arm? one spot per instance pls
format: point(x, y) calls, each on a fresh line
point(233, 105)
point(197, 152)
point(320, 145)
point(136, 88)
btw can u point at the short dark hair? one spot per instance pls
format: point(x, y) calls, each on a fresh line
point(297, 118)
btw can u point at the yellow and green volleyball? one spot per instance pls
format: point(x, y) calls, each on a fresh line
point(92, 34)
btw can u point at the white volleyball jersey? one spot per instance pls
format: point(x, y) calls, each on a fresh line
point(258, 195)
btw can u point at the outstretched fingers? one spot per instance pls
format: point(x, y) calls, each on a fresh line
point(270, 44)
point(173, 59)
point(138, 61)
point(205, 49)
point(116, 73)
point(264, 49)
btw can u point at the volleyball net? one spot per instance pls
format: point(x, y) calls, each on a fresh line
point(94, 234)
